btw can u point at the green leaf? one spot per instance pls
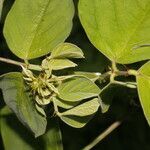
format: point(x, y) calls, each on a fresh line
point(143, 83)
point(85, 109)
point(17, 98)
point(106, 97)
point(5, 111)
point(80, 115)
point(67, 50)
point(58, 64)
point(118, 28)
point(11, 129)
point(1, 7)
point(76, 122)
point(9, 134)
point(93, 76)
point(77, 89)
point(33, 28)
point(52, 138)
point(64, 104)
point(40, 110)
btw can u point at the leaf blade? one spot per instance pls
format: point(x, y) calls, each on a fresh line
point(143, 84)
point(40, 26)
point(67, 50)
point(76, 122)
point(85, 109)
point(17, 98)
point(64, 104)
point(11, 128)
point(93, 76)
point(122, 26)
point(8, 133)
point(78, 88)
point(79, 116)
point(53, 138)
point(58, 64)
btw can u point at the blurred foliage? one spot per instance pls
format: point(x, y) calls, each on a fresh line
point(133, 134)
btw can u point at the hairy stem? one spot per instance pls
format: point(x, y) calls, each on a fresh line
point(17, 63)
point(103, 135)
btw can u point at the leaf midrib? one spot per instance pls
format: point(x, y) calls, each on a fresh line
point(35, 29)
point(108, 50)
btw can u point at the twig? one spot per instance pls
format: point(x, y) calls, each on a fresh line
point(132, 85)
point(13, 62)
point(17, 63)
point(103, 77)
point(103, 135)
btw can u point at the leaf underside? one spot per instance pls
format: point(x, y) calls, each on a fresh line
point(18, 100)
point(80, 115)
point(77, 89)
point(12, 129)
point(118, 29)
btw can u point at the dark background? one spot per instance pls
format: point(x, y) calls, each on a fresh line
point(134, 132)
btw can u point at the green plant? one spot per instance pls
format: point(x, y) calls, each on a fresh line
point(42, 92)
point(120, 33)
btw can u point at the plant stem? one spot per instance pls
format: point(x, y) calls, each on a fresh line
point(103, 135)
point(133, 72)
point(17, 63)
point(126, 84)
point(55, 108)
point(34, 67)
point(105, 75)
point(114, 67)
point(127, 73)
point(13, 62)
point(122, 73)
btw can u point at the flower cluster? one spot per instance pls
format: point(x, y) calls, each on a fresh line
point(43, 86)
